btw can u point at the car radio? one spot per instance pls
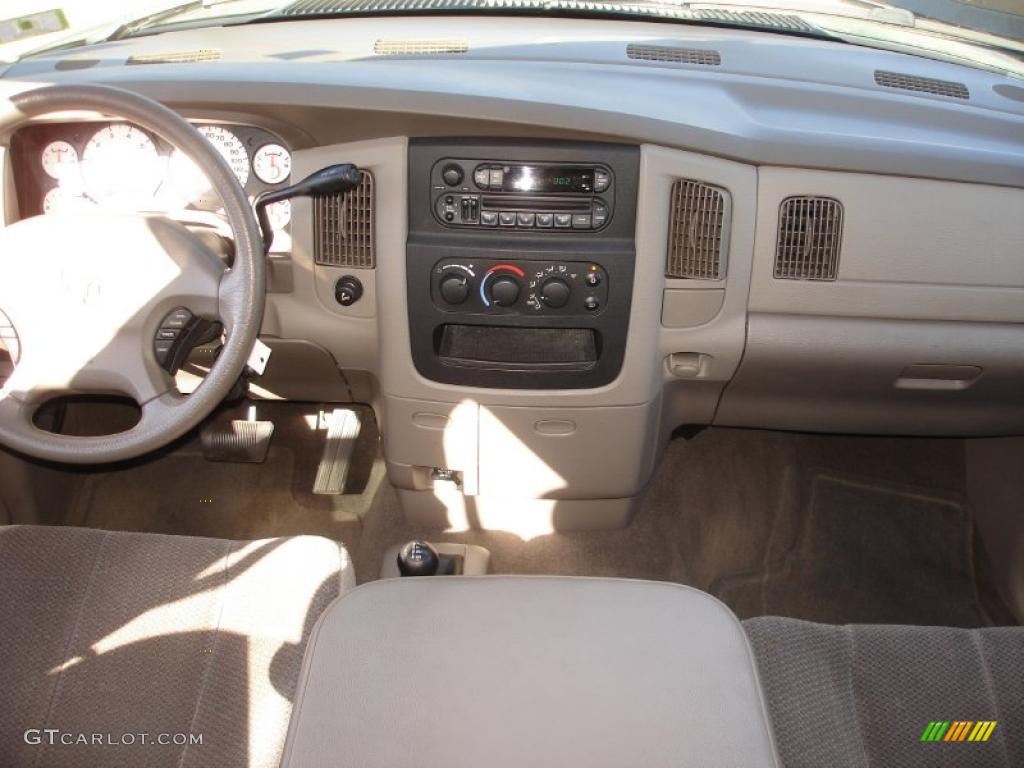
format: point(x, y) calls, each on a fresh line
point(546, 196)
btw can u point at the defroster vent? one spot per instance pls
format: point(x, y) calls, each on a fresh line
point(810, 234)
point(343, 227)
point(698, 235)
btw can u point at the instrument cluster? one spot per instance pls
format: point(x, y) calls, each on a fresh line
point(118, 166)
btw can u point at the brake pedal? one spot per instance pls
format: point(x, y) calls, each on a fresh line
point(343, 426)
point(238, 441)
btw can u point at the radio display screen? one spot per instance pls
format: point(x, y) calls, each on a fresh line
point(548, 178)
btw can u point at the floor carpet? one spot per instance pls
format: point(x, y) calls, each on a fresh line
point(825, 528)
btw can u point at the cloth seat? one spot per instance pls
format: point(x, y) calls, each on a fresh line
point(109, 635)
point(864, 695)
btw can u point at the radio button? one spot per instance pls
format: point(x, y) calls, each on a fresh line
point(496, 178)
point(489, 218)
point(481, 177)
point(544, 219)
point(600, 216)
point(525, 219)
point(601, 180)
point(563, 220)
point(581, 221)
point(507, 218)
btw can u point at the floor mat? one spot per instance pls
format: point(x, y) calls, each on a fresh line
point(867, 554)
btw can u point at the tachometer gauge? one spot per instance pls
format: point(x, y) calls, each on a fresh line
point(60, 160)
point(188, 179)
point(272, 163)
point(121, 167)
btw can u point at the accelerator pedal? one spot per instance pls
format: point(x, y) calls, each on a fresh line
point(238, 440)
point(343, 426)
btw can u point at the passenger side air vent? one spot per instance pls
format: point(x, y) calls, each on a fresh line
point(419, 47)
point(179, 57)
point(673, 55)
point(922, 84)
point(810, 233)
point(343, 227)
point(697, 235)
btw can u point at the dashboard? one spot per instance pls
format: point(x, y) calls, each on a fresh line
point(573, 234)
point(115, 166)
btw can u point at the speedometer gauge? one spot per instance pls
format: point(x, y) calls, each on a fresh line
point(188, 179)
point(121, 167)
point(60, 160)
point(272, 163)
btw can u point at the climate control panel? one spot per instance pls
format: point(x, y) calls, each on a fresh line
point(520, 287)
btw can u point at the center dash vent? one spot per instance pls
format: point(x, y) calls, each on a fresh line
point(343, 227)
point(919, 84)
point(810, 233)
point(178, 57)
point(419, 47)
point(673, 54)
point(698, 235)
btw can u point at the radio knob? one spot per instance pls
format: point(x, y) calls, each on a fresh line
point(555, 293)
point(504, 291)
point(454, 288)
point(452, 175)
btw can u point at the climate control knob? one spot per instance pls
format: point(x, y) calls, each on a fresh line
point(555, 293)
point(454, 288)
point(504, 291)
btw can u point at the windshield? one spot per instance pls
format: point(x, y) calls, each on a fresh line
point(967, 31)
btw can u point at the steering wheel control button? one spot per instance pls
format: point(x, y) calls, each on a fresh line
point(348, 290)
point(178, 318)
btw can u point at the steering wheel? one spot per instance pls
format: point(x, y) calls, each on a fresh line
point(85, 295)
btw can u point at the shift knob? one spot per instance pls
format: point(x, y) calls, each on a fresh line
point(417, 558)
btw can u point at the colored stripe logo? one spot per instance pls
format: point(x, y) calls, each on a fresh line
point(958, 730)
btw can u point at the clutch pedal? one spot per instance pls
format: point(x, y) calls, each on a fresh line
point(242, 441)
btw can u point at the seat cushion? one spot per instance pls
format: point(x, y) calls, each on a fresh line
point(108, 635)
point(548, 672)
point(864, 695)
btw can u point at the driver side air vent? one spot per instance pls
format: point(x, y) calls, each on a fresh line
point(697, 235)
point(810, 233)
point(343, 227)
point(419, 47)
point(919, 84)
point(674, 55)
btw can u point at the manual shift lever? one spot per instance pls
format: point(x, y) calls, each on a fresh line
point(417, 558)
point(332, 180)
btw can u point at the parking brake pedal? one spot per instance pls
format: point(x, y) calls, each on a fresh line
point(244, 441)
point(343, 428)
